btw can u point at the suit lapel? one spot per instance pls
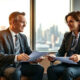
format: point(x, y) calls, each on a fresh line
point(69, 43)
point(21, 44)
point(78, 44)
point(9, 37)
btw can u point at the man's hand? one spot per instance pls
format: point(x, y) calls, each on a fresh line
point(22, 57)
point(40, 59)
point(51, 57)
point(75, 57)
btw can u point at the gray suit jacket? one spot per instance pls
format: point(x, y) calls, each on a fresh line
point(7, 54)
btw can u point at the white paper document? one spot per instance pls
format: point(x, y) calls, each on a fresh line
point(65, 60)
point(35, 55)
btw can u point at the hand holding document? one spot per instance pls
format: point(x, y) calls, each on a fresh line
point(51, 57)
point(35, 55)
point(22, 57)
point(64, 59)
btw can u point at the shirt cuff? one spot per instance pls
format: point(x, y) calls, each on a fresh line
point(15, 60)
point(79, 57)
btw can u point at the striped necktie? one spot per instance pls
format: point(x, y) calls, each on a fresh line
point(17, 44)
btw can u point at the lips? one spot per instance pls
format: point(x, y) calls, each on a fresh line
point(70, 27)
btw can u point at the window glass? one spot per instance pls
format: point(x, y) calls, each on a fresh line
point(50, 23)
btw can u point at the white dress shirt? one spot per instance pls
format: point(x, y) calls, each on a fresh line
point(13, 37)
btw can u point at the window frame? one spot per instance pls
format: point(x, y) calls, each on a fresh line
point(33, 20)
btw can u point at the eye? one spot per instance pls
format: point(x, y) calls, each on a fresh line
point(71, 21)
point(24, 22)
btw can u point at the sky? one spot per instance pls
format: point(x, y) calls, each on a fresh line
point(52, 12)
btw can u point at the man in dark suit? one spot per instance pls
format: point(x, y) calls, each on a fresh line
point(71, 47)
point(14, 48)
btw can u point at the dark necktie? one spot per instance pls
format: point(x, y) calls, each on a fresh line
point(17, 45)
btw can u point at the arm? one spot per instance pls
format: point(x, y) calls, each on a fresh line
point(62, 50)
point(4, 57)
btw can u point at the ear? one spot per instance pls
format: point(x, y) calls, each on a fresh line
point(79, 23)
point(13, 22)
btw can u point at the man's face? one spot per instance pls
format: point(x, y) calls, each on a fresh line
point(20, 23)
point(72, 23)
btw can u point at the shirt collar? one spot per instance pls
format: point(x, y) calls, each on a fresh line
point(13, 33)
point(75, 35)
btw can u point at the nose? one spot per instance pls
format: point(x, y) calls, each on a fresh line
point(68, 23)
point(24, 24)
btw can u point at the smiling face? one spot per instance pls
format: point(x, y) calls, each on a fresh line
point(72, 23)
point(19, 24)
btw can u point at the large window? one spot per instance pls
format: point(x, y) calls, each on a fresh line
point(50, 23)
point(8, 6)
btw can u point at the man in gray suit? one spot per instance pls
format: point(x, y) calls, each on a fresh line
point(71, 46)
point(14, 49)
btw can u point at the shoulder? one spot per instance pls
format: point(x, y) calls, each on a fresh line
point(23, 36)
point(3, 32)
point(67, 34)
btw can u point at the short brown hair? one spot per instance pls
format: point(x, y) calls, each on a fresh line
point(14, 15)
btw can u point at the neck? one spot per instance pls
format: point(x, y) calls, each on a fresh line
point(76, 33)
point(11, 28)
